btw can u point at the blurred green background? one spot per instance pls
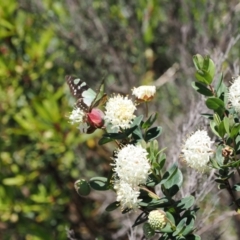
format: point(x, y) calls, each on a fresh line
point(130, 43)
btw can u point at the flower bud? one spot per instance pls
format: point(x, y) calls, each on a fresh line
point(157, 219)
point(144, 93)
point(96, 118)
point(227, 151)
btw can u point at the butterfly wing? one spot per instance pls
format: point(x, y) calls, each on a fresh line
point(84, 94)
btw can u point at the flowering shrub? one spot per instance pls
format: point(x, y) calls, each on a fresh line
point(139, 165)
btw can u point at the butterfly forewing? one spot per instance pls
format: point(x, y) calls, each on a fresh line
point(84, 94)
point(76, 86)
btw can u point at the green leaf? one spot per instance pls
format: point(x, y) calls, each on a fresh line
point(219, 180)
point(233, 164)
point(214, 129)
point(237, 141)
point(236, 187)
point(137, 134)
point(198, 61)
point(207, 115)
point(216, 119)
point(221, 186)
point(99, 183)
point(167, 229)
point(170, 217)
point(216, 104)
point(202, 89)
point(221, 129)
point(152, 181)
point(219, 156)
point(104, 140)
point(148, 231)
point(137, 121)
point(6, 24)
point(219, 88)
point(164, 237)
point(172, 180)
point(161, 160)
point(193, 237)
point(82, 187)
point(209, 66)
point(18, 180)
point(214, 164)
point(153, 133)
point(150, 121)
point(205, 69)
point(234, 131)
point(226, 125)
point(186, 202)
point(126, 210)
point(112, 206)
point(180, 227)
point(108, 137)
point(201, 77)
point(159, 203)
point(189, 228)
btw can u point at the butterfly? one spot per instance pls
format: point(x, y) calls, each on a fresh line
point(87, 98)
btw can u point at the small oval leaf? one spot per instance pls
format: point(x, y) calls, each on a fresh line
point(112, 206)
point(153, 133)
point(99, 183)
point(202, 89)
point(215, 104)
point(82, 187)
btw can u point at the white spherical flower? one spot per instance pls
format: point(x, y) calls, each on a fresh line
point(132, 165)
point(119, 112)
point(234, 94)
point(157, 219)
point(77, 116)
point(127, 195)
point(144, 93)
point(197, 150)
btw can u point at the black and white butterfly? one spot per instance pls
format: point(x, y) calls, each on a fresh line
point(86, 97)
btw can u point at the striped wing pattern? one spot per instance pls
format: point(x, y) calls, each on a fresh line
point(82, 92)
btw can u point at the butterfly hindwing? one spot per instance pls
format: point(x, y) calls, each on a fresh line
point(86, 97)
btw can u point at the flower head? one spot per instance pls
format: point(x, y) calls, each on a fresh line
point(157, 219)
point(119, 112)
point(88, 121)
point(197, 150)
point(77, 116)
point(144, 93)
point(234, 94)
point(127, 195)
point(132, 165)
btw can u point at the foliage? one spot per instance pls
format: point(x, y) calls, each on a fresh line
point(179, 213)
point(41, 42)
point(224, 123)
